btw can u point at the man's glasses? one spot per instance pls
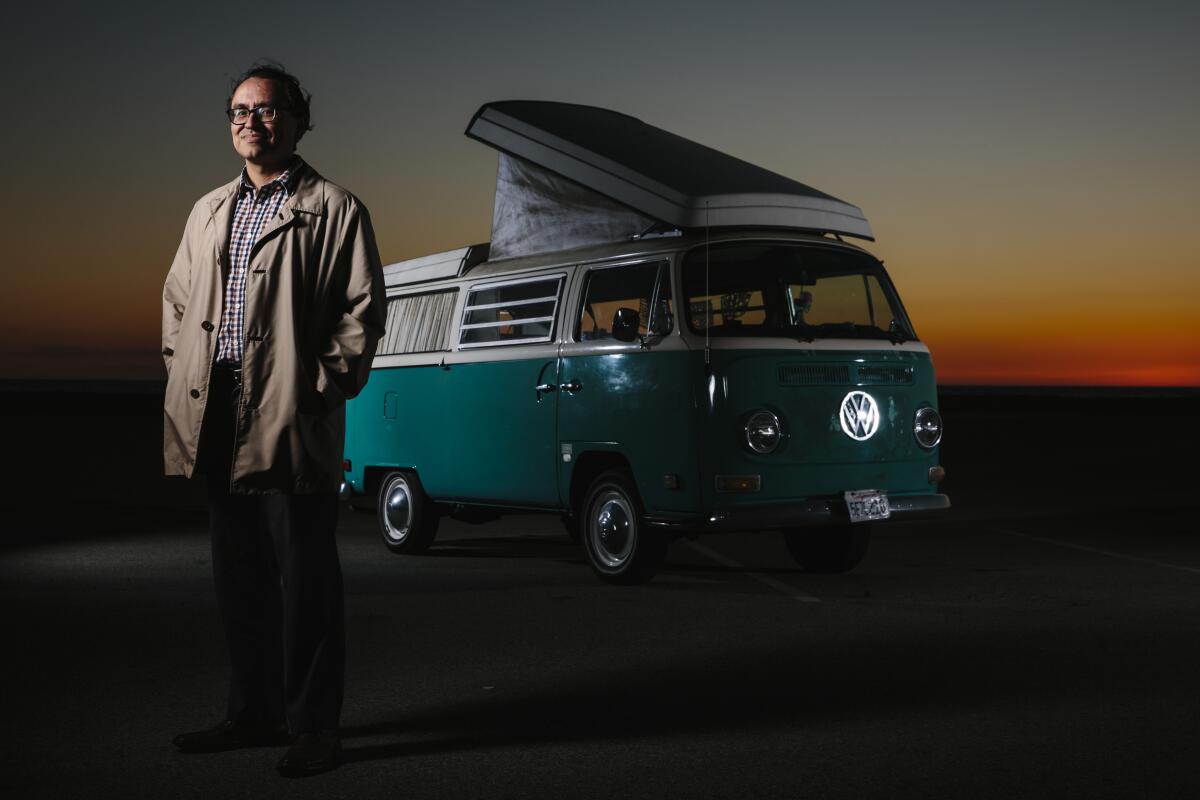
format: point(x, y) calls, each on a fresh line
point(240, 115)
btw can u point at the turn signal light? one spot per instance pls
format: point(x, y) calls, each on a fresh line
point(739, 483)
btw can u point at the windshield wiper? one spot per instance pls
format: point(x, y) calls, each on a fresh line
point(854, 330)
point(895, 335)
point(849, 330)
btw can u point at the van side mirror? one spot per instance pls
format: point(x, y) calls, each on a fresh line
point(625, 325)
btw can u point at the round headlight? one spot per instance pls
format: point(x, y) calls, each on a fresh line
point(763, 432)
point(927, 427)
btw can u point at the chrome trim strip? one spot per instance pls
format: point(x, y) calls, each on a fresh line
point(817, 346)
point(506, 342)
point(500, 351)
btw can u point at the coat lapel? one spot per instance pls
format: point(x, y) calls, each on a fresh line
point(221, 218)
point(306, 199)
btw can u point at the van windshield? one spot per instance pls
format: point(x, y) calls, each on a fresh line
point(794, 291)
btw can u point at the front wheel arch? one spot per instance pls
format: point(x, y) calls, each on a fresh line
point(586, 467)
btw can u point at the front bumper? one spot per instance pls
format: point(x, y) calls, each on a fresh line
point(811, 513)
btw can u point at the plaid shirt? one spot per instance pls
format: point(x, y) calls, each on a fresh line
point(254, 208)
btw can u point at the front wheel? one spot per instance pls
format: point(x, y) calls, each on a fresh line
point(408, 520)
point(619, 548)
point(828, 550)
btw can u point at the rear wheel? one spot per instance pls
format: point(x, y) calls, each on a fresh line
point(618, 546)
point(408, 520)
point(828, 550)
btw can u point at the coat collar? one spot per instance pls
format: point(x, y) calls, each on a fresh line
point(308, 193)
point(308, 197)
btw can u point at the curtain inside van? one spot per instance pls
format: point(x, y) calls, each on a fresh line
point(418, 323)
point(537, 211)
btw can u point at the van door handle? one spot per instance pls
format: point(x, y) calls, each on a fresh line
point(571, 386)
point(543, 388)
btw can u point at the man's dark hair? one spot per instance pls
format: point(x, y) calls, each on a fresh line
point(296, 98)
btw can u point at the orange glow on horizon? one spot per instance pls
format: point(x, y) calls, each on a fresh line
point(1044, 358)
point(1148, 375)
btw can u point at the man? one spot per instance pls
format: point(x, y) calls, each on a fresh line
point(271, 312)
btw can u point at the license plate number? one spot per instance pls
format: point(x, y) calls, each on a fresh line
point(867, 504)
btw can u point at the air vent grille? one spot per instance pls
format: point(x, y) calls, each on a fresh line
point(880, 375)
point(813, 374)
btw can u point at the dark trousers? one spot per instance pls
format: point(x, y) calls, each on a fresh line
point(279, 587)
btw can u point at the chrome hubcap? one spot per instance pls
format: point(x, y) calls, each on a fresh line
point(613, 531)
point(397, 511)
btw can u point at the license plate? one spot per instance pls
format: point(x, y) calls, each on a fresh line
point(867, 504)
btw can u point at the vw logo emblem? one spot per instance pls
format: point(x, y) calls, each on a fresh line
point(860, 416)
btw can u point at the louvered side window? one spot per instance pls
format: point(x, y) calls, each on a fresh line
point(517, 312)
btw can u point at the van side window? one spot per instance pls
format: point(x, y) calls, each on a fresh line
point(418, 323)
point(516, 312)
point(632, 287)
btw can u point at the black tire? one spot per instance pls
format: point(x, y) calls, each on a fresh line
point(408, 521)
point(828, 550)
point(611, 525)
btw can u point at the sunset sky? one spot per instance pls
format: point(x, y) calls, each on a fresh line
point(1031, 170)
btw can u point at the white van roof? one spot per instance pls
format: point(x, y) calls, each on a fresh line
point(662, 177)
point(449, 264)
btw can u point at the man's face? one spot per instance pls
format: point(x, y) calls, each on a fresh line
point(266, 144)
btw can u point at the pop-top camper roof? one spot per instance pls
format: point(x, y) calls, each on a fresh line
point(652, 175)
point(570, 176)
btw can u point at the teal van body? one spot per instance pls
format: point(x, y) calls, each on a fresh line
point(743, 381)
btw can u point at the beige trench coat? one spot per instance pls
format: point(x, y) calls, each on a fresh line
point(314, 312)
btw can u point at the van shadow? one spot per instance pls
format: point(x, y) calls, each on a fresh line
point(795, 685)
point(560, 549)
point(565, 551)
point(557, 548)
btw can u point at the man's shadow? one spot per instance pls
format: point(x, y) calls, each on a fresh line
point(789, 684)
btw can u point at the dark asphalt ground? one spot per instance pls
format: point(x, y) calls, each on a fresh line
point(1042, 641)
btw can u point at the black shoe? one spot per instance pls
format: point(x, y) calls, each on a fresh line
point(311, 753)
point(230, 735)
